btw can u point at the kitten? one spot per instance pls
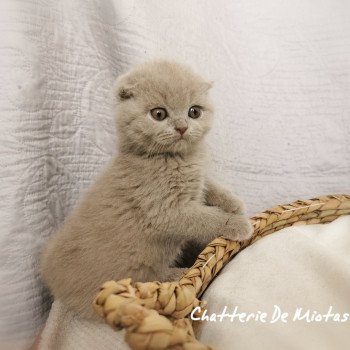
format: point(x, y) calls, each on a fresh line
point(152, 198)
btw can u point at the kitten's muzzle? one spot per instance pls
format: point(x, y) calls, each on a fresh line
point(182, 130)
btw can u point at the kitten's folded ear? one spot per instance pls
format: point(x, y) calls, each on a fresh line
point(207, 85)
point(123, 88)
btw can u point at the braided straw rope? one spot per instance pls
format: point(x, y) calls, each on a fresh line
point(153, 313)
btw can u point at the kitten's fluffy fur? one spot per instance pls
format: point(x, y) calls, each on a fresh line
point(152, 198)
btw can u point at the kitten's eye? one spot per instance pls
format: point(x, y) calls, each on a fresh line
point(195, 112)
point(159, 113)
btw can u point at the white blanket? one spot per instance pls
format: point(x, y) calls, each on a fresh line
point(303, 271)
point(66, 331)
point(304, 267)
point(281, 73)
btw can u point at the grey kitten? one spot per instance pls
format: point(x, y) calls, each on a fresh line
point(153, 197)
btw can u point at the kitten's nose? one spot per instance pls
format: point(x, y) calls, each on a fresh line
point(181, 130)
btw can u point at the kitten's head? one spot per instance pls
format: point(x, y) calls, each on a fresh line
point(162, 108)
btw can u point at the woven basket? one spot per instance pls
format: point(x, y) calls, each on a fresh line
point(155, 315)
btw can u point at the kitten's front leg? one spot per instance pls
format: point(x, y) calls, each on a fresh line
point(203, 223)
point(215, 195)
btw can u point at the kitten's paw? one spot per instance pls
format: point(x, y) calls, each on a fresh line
point(238, 228)
point(232, 205)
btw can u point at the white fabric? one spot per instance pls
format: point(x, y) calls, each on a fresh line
point(299, 267)
point(281, 72)
point(66, 331)
point(304, 267)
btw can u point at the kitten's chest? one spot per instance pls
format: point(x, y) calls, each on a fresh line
point(175, 181)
